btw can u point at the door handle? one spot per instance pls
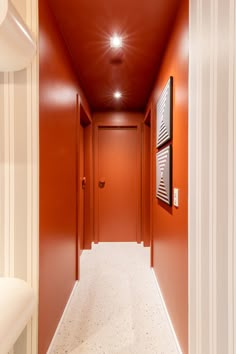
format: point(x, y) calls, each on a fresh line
point(83, 182)
point(101, 184)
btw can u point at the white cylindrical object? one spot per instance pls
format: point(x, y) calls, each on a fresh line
point(17, 304)
point(17, 45)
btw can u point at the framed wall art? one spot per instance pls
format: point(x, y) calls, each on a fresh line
point(164, 113)
point(164, 175)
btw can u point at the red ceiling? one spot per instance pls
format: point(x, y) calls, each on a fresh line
point(87, 25)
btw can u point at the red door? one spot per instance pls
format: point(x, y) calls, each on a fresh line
point(117, 184)
point(146, 191)
point(82, 184)
point(84, 173)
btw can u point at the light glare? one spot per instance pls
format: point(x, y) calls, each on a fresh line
point(116, 42)
point(117, 95)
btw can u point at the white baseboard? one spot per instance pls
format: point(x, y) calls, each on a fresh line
point(62, 317)
point(167, 314)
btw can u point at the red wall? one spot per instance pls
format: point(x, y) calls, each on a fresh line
point(170, 224)
point(58, 114)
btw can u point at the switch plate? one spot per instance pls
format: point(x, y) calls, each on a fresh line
point(176, 197)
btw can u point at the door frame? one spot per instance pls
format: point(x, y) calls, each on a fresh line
point(83, 117)
point(149, 120)
point(146, 180)
point(117, 120)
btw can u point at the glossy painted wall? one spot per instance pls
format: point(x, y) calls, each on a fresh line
point(170, 224)
point(58, 114)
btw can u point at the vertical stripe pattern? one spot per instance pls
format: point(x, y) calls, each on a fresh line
point(164, 114)
point(212, 132)
point(19, 175)
point(163, 176)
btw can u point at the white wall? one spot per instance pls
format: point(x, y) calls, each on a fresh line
point(212, 177)
point(19, 175)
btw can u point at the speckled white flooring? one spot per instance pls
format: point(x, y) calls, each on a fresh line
point(116, 308)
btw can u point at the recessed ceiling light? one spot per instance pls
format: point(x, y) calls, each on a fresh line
point(117, 95)
point(116, 42)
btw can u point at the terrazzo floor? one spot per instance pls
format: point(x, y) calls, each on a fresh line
point(116, 308)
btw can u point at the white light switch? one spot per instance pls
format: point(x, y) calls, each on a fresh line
point(176, 197)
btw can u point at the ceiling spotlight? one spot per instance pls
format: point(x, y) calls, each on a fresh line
point(117, 95)
point(116, 42)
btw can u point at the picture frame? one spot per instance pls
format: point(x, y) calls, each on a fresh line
point(164, 113)
point(164, 175)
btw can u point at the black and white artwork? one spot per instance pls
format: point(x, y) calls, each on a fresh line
point(164, 114)
point(164, 175)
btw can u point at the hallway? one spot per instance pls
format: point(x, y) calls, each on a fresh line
point(56, 198)
point(116, 308)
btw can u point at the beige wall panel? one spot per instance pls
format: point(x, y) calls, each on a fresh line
point(1, 175)
point(20, 180)
point(19, 176)
point(205, 182)
point(21, 344)
point(212, 167)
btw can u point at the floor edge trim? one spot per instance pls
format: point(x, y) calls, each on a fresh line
point(62, 318)
point(167, 313)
